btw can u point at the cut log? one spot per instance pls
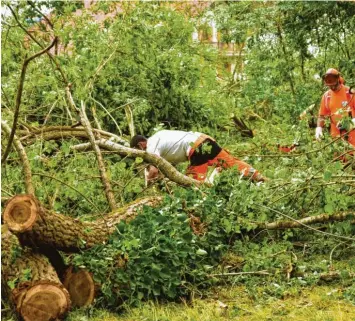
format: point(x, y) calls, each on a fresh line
point(80, 285)
point(21, 212)
point(33, 286)
point(63, 232)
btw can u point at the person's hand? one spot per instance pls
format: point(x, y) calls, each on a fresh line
point(319, 133)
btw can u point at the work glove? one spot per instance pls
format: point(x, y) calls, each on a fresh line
point(319, 133)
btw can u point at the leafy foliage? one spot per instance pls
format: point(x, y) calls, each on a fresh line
point(144, 59)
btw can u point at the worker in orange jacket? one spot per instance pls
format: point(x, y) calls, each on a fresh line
point(337, 103)
point(200, 150)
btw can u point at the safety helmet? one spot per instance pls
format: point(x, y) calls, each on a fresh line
point(331, 77)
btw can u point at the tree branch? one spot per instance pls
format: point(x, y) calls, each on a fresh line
point(65, 132)
point(105, 181)
point(43, 15)
point(19, 96)
point(322, 218)
point(164, 166)
point(23, 156)
point(39, 44)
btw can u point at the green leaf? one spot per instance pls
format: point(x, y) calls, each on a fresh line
point(329, 208)
point(327, 175)
point(201, 252)
point(12, 283)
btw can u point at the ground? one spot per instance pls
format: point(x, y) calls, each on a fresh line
point(320, 303)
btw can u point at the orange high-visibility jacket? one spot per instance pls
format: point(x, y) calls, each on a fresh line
point(332, 102)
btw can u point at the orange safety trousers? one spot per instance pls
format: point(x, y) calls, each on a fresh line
point(351, 138)
point(225, 160)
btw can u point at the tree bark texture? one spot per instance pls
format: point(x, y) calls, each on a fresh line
point(34, 225)
point(31, 283)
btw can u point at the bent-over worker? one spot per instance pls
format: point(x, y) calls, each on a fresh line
point(200, 150)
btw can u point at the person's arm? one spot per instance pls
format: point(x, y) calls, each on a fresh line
point(151, 173)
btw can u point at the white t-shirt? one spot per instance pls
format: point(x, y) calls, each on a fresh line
point(172, 145)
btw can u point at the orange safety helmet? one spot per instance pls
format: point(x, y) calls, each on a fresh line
point(331, 77)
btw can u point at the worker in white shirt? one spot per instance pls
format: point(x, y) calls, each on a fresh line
point(200, 150)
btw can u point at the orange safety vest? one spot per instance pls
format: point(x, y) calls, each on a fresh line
point(327, 97)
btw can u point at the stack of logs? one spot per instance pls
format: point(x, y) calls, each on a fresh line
point(35, 279)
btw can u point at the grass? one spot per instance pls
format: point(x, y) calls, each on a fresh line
point(320, 303)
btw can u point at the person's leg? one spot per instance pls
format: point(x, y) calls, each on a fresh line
point(198, 172)
point(226, 160)
point(208, 149)
point(351, 138)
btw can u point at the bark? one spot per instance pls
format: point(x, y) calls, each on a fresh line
point(164, 166)
point(31, 283)
point(64, 132)
point(23, 156)
point(36, 226)
point(322, 218)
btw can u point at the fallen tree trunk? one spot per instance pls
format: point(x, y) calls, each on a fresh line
point(32, 285)
point(34, 225)
point(164, 166)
